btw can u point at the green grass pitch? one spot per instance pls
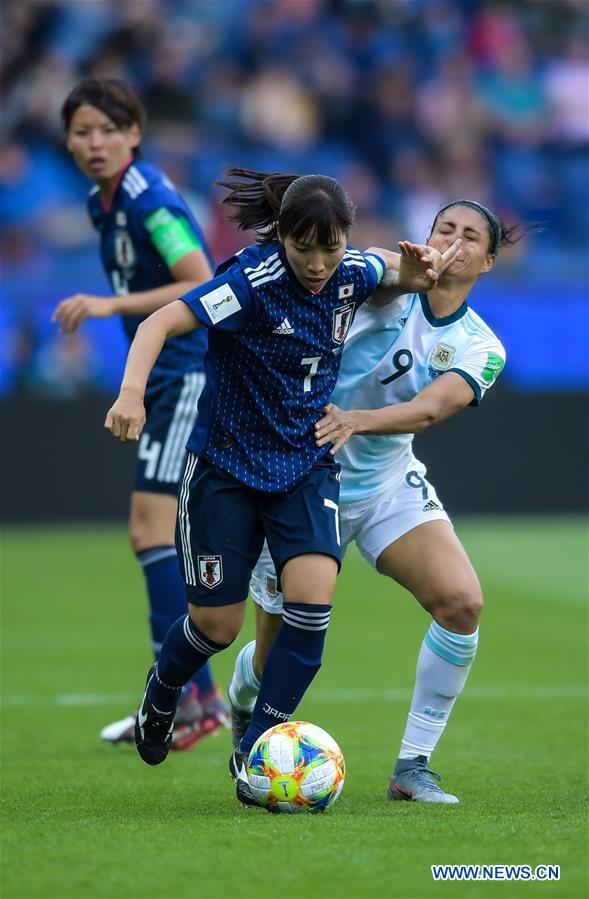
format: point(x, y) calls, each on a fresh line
point(84, 819)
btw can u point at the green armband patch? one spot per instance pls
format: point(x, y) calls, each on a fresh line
point(380, 271)
point(493, 368)
point(172, 237)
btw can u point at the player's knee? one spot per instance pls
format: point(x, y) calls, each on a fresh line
point(322, 597)
point(140, 529)
point(220, 624)
point(136, 535)
point(461, 609)
point(301, 590)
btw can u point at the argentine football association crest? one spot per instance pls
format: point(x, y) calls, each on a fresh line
point(210, 570)
point(442, 356)
point(342, 319)
point(124, 250)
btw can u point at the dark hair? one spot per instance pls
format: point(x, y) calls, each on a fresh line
point(297, 206)
point(114, 98)
point(500, 234)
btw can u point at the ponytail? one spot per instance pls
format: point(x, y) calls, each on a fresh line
point(277, 205)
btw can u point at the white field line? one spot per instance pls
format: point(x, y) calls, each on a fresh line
point(392, 694)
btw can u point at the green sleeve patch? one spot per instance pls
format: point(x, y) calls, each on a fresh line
point(376, 262)
point(172, 237)
point(493, 368)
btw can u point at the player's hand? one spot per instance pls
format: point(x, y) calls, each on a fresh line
point(126, 418)
point(71, 313)
point(336, 426)
point(421, 265)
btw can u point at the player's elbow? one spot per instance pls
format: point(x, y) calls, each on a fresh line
point(428, 416)
point(155, 325)
point(431, 412)
point(147, 325)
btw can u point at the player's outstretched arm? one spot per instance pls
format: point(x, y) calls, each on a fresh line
point(126, 418)
point(416, 270)
point(441, 399)
point(70, 313)
point(189, 271)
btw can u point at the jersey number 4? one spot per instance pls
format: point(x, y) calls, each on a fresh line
point(149, 452)
point(403, 362)
point(119, 283)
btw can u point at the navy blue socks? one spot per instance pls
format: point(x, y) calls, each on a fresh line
point(184, 651)
point(167, 601)
point(292, 663)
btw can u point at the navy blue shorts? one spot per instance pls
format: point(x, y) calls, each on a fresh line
point(171, 413)
point(222, 525)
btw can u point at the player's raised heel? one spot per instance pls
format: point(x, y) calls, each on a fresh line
point(193, 721)
point(153, 729)
point(122, 731)
point(413, 781)
point(237, 769)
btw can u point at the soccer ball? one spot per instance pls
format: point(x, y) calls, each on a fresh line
point(296, 767)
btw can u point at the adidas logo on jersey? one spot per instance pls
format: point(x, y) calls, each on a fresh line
point(284, 328)
point(429, 507)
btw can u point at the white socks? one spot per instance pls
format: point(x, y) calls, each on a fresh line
point(443, 666)
point(245, 686)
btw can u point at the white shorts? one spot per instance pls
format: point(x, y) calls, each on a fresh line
point(372, 524)
point(264, 584)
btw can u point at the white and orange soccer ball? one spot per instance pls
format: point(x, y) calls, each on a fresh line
point(296, 767)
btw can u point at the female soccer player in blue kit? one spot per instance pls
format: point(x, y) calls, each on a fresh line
point(152, 250)
point(277, 314)
point(408, 364)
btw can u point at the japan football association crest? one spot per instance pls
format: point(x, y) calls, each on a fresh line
point(342, 319)
point(210, 570)
point(124, 250)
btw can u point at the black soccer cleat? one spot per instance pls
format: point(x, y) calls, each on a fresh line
point(153, 729)
point(238, 771)
point(240, 721)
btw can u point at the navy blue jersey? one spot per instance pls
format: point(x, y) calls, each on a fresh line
point(133, 263)
point(273, 360)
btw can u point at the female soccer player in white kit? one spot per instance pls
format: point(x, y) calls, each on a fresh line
point(407, 365)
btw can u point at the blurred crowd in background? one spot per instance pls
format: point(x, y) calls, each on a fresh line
point(409, 103)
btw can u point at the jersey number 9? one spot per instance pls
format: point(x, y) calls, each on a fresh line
point(403, 362)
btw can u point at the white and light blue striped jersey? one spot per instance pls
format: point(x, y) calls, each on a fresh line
point(273, 359)
point(391, 354)
point(132, 262)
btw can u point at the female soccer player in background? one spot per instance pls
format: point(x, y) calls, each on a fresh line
point(277, 315)
point(152, 250)
point(408, 363)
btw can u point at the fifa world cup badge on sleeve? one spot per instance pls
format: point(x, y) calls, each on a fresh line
point(220, 303)
point(210, 570)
